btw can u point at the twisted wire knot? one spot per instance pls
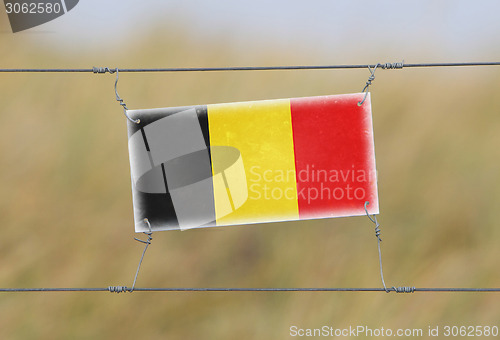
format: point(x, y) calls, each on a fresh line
point(103, 70)
point(403, 289)
point(374, 220)
point(392, 66)
point(369, 81)
point(117, 289)
point(378, 232)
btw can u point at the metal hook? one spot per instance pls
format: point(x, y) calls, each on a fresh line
point(148, 233)
point(147, 242)
point(386, 66)
point(121, 289)
point(118, 99)
point(368, 82)
point(374, 220)
point(377, 234)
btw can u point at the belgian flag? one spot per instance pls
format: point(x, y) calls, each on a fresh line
point(252, 162)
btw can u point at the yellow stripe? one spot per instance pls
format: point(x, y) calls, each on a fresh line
point(262, 132)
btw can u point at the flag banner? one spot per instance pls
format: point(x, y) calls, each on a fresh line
point(252, 162)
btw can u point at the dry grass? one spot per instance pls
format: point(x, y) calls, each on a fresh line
point(65, 206)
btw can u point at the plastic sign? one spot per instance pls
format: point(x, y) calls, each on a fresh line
point(252, 162)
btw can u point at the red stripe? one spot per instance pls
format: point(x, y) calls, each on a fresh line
point(334, 156)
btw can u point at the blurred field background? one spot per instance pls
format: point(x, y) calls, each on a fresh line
point(66, 208)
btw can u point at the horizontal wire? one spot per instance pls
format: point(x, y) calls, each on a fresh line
point(108, 289)
point(244, 68)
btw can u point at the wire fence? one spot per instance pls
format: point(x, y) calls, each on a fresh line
point(371, 67)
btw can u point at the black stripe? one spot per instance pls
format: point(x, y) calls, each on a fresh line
point(179, 172)
point(164, 177)
point(158, 208)
point(202, 113)
point(145, 139)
